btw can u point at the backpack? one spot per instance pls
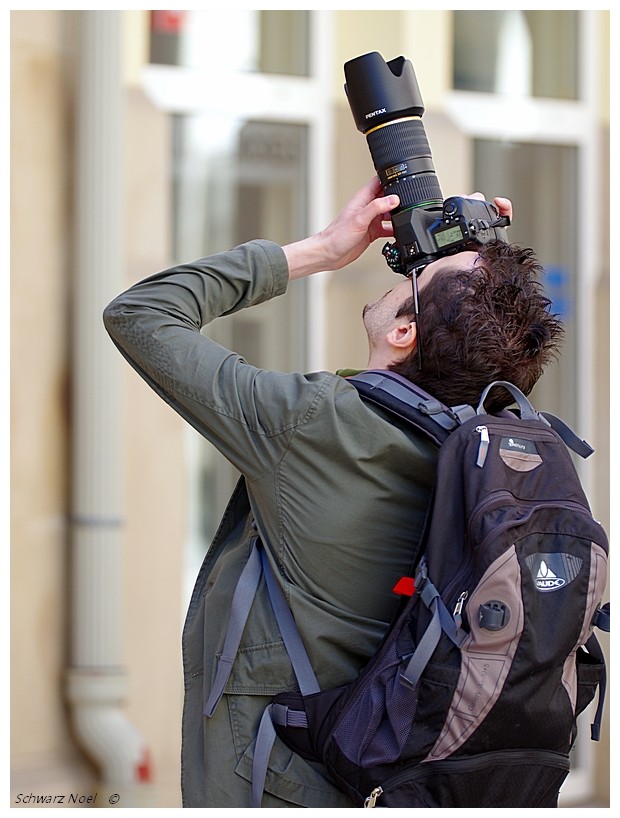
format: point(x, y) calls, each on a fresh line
point(472, 698)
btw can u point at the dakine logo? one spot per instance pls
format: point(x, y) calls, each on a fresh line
point(553, 571)
point(375, 113)
point(514, 445)
point(546, 580)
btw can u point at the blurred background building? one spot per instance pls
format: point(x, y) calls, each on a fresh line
point(140, 139)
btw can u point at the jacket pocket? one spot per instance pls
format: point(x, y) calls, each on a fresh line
point(292, 779)
point(268, 662)
point(289, 777)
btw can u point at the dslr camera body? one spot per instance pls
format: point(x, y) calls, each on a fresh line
point(387, 108)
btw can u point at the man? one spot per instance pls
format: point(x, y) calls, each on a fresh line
point(337, 492)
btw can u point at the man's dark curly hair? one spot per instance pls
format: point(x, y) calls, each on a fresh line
point(492, 322)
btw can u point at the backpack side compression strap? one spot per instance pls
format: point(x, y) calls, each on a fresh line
point(257, 566)
point(442, 621)
point(304, 673)
point(239, 611)
point(306, 679)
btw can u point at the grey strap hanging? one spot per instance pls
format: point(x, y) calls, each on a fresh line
point(239, 611)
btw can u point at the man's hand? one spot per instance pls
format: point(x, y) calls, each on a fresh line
point(503, 205)
point(363, 220)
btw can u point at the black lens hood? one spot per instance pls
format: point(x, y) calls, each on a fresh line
point(379, 92)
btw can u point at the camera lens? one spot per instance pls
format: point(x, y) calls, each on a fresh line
point(387, 107)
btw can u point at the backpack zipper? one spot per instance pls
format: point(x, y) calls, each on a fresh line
point(372, 798)
point(458, 608)
point(483, 446)
point(467, 765)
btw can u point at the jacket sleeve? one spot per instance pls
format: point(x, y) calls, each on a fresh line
point(249, 414)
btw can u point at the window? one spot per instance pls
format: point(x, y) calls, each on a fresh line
point(532, 52)
point(270, 42)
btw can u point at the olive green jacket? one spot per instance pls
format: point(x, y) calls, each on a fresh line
point(337, 492)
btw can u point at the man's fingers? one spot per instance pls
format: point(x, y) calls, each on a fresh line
point(368, 193)
point(504, 206)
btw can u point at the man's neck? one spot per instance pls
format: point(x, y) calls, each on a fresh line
point(377, 360)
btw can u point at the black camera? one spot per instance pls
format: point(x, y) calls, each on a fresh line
point(387, 107)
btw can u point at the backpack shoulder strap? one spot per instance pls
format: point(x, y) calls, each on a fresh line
point(403, 399)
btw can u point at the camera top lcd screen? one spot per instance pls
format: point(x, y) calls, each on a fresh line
point(448, 236)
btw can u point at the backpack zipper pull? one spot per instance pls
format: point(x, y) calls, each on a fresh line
point(372, 798)
point(458, 608)
point(484, 445)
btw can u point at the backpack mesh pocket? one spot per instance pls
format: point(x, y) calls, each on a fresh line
point(377, 722)
point(380, 721)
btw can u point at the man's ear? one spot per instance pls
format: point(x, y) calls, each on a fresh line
point(403, 338)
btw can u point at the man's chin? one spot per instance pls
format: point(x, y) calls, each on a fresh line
point(368, 307)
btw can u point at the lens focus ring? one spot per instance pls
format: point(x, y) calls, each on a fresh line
point(397, 142)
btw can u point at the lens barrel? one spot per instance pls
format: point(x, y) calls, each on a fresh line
point(404, 163)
